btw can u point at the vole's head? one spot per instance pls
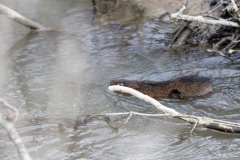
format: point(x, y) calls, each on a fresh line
point(119, 82)
point(126, 83)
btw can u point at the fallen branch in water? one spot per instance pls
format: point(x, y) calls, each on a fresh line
point(21, 19)
point(127, 21)
point(201, 19)
point(179, 31)
point(215, 124)
point(7, 121)
point(209, 50)
point(130, 114)
point(222, 29)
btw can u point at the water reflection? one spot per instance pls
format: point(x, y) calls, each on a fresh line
point(54, 78)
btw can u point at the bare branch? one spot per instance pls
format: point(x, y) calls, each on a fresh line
point(219, 125)
point(179, 16)
point(182, 9)
point(7, 121)
point(21, 19)
point(201, 19)
point(130, 115)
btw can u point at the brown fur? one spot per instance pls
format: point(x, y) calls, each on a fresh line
point(190, 86)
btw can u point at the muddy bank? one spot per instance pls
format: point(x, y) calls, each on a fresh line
point(155, 8)
point(133, 13)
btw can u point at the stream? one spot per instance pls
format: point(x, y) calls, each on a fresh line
point(57, 79)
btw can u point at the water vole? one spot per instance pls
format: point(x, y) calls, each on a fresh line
point(184, 87)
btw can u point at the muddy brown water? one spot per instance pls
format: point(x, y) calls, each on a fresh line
point(53, 78)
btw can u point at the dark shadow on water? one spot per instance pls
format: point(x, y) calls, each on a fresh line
point(20, 44)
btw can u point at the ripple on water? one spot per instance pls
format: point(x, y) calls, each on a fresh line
point(56, 77)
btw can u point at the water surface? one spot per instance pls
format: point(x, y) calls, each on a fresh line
point(55, 78)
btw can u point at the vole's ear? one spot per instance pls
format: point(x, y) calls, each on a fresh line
point(113, 82)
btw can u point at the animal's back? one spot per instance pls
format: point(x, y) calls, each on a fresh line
point(184, 87)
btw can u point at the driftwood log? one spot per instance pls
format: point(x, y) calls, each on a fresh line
point(219, 125)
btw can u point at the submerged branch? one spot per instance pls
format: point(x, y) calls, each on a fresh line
point(127, 113)
point(179, 31)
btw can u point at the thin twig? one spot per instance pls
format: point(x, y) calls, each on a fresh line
point(194, 126)
point(232, 44)
point(210, 16)
point(215, 8)
point(209, 50)
point(180, 30)
point(130, 115)
point(127, 21)
point(131, 112)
